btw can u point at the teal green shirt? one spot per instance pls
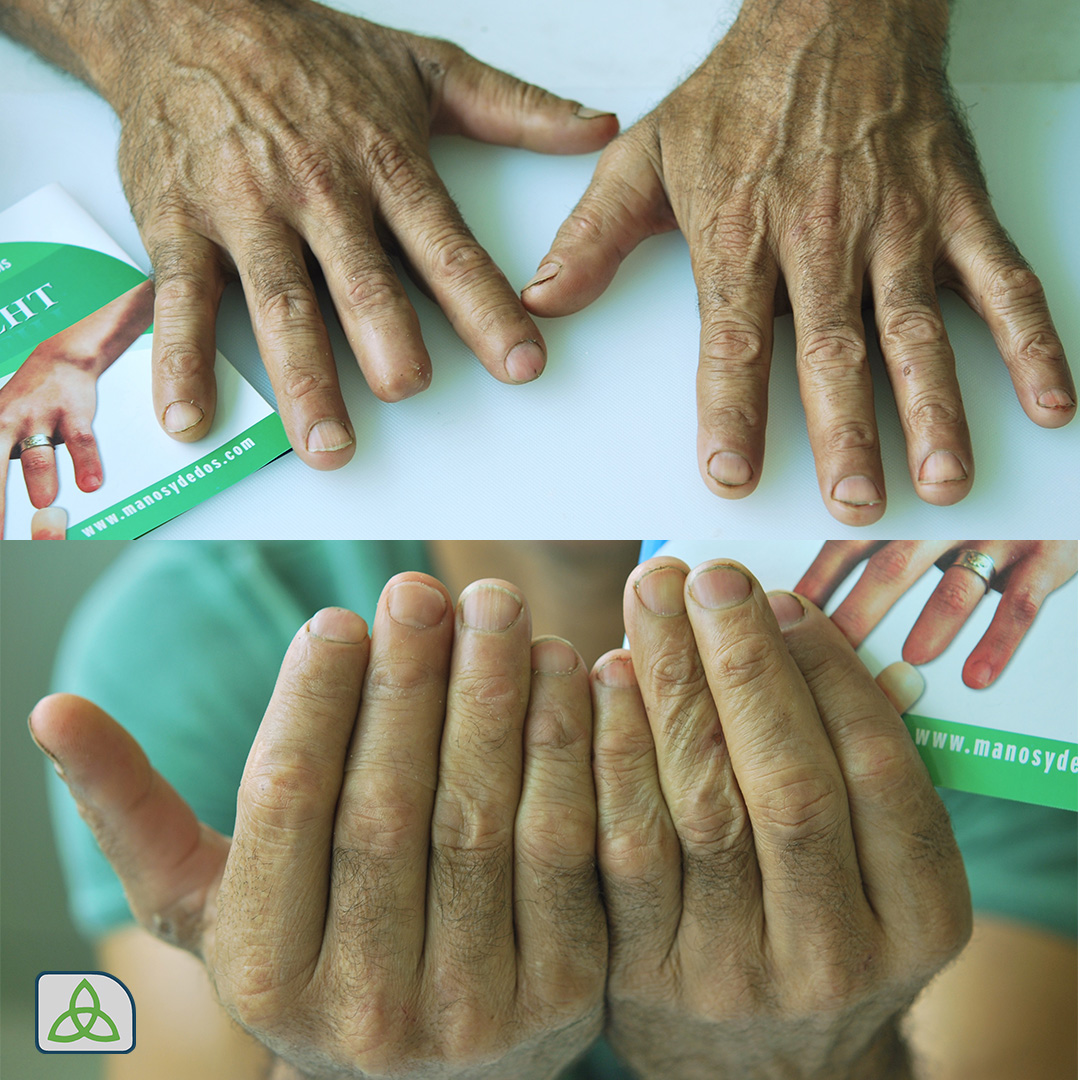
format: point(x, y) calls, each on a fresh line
point(181, 643)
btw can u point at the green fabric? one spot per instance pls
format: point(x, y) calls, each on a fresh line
point(181, 643)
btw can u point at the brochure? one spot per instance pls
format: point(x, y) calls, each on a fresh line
point(1017, 738)
point(75, 341)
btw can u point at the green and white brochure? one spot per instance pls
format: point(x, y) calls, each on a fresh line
point(58, 268)
point(1016, 739)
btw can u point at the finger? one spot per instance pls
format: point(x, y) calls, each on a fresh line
point(891, 571)
point(383, 821)
point(693, 757)
point(831, 566)
point(39, 473)
point(188, 282)
point(559, 921)
point(922, 371)
point(165, 858)
point(953, 600)
point(82, 446)
point(49, 524)
point(375, 313)
point(293, 343)
point(484, 310)
point(907, 857)
point(782, 759)
point(735, 297)
point(275, 889)
point(483, 103)
point(901, 684)
point(624, 203)
point(1024, 594)
point(1000, 286)
point(637, 846)
point(470, 925)
point(834, 380)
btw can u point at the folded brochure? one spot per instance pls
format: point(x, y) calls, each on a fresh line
point(70, 297)
point(1015, 739)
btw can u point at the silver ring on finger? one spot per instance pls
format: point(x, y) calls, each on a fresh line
point(30, 442)
point(979, 564)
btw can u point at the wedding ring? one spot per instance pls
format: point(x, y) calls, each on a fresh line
point(977, 563)
point(30, 442)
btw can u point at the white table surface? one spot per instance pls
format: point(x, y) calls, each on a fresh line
point(604, 443)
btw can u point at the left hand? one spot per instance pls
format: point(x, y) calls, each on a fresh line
point(1026, 572)
point(811, 159)
point(779, 874)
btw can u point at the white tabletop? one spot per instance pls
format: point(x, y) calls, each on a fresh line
point(604, 443)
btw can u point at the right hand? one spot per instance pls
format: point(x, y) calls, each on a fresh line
point(410, 889)
point(251, 131)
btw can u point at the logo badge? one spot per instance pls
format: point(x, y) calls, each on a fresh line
point(84, 1012)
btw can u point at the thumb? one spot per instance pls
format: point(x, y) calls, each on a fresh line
point(168, 861)
point(484, 103)
point(624, 204)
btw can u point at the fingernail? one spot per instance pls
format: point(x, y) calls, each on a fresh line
point(583, 112)
point(941, 467)
point(661, 590)
point(980, 674)
point(787, 608)
point(1057, 398)
point(415, 604)
point(545, 273)
point(327, 435)
point(338, 624)
point(55, 761)
point(730, 469)
point(524, 361)
point(857, 491)
point(553, 656)
point(719, 587)
point(181, 416)
point(489, 607)
point(49, 523)
point(617, 673)
point(903, 683)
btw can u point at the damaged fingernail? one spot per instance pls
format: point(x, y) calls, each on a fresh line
point(48, 753)
point(583, 112)
point(857, 491)
point(787, 608)
point(525, 361)
point(553, 656)
point(489, 607)
point(328, 435)
point(181, 416)
point(1057, 398)
point(338, 624)
point(718, 587)
point(545, 273)
point(941, 467)
point(661, 590)
point(730, 468)
point(416, 604)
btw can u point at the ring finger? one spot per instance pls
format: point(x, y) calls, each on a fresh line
point(39, 473)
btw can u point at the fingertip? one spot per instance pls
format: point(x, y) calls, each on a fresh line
point(1053, 408)
point(49, 524)
point(615, 670)
point(185, 420)
point(902, 684)
point(857, 500)
point(728, 473)
point(978, 674)
point(337, 625)
point(525, 361)
point(329, 444)
point(943, 478)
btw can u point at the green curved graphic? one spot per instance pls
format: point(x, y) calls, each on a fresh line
point(83, 1028)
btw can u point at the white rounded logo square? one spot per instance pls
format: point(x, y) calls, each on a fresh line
point(84, 1012)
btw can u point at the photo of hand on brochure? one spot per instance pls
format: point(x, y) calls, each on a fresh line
point(84, 456)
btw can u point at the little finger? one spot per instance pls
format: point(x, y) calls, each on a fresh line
point(82, 446)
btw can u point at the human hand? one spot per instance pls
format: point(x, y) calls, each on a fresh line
point(49, 524)
point(54, 393)
point(410, 890)
point(813, 158)
point(779, 874)
point(254, 130)
point(1027, 571)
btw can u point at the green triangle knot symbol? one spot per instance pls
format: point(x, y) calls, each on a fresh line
point(84, 1028)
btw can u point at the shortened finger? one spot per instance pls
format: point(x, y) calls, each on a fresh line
point(188, 282)
point(998, 283)
point(82, 446)
point(831, 565)
point(922, 371)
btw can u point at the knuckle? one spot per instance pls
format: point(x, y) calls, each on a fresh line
point(298, 382)
point(891, 563)
point(179, 361)
point(633, 848)
point(730, 347)
point(834, 353)
point(38, 466)
point(674, 672)
point(711, 827)
point(1024, 604)
point(395, 676)
point(799, 809)
point(557, 836)
point(1016, 285)
point(81, 441)
point(487, 700)
point(287, 304)
point(954, 595)
point(311, 169)
point(586, 223)
point(471, 829)
point(934, 410)
point(370, 290)
point(850, 435)
point(717, 418)
point(460, 257)
point(389, 162)
point(745, 659)
point(1039, 347)
point(177, 285)
point(906, 326)
point(284, 796)
point(553, 732)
